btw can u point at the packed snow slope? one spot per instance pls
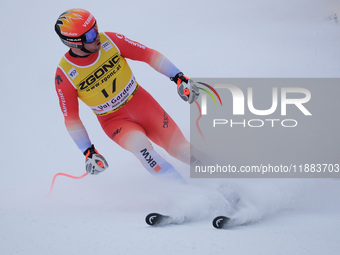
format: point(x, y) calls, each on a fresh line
point(104, 214)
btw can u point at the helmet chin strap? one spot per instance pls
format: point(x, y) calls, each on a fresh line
point(85, 50)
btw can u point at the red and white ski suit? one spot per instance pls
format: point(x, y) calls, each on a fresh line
point(128, 114)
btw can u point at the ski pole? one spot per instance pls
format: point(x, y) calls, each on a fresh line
point(67, 175)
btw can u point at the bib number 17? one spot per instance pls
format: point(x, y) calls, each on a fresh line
point(105, 93)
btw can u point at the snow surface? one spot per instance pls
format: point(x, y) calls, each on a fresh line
point(104, 214)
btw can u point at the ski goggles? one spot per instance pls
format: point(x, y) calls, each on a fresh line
point(91, 35)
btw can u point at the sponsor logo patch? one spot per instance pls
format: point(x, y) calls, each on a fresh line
point(165, 120)
point(107, 46)
point(150, 160)
point(73, 73)
point(116, 132)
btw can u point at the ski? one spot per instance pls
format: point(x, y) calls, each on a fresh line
point(157, 219)
point(221, 222)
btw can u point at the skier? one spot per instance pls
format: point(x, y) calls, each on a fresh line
point(95, 70)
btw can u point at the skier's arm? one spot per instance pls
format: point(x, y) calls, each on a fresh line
point(136, 51)
point(186, 89)
point(68, 101)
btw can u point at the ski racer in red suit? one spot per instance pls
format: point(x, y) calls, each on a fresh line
point(95, 70)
